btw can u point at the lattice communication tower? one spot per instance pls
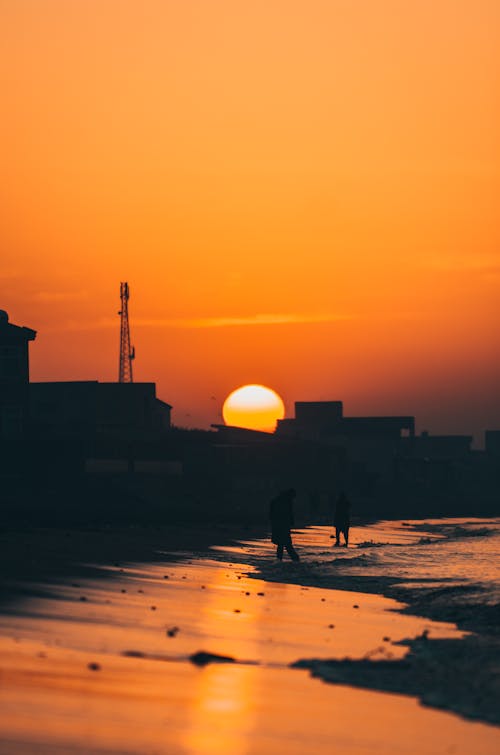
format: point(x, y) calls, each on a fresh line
point(127, 352)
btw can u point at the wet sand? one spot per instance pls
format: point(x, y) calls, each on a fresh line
point(101, 664)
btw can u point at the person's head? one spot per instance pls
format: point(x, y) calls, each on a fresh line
point(290, 493)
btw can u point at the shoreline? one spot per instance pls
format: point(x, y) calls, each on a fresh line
point(459, 675)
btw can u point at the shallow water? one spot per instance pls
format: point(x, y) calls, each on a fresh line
point(159, 702)
point(461, 552)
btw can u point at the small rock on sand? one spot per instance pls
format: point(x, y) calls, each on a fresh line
point(203, 658)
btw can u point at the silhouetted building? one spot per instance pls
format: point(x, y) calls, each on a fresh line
point(314, 420)
point(444, 447)
point(323, 420)
point(14, 377)
point(492, 443)
point(370, 443)
point(318, 412)
point(91, 409)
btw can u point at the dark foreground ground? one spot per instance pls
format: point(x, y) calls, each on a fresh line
point(38, 555)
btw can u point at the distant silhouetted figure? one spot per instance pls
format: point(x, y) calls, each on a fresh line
point(342, 519)
point(281, 515)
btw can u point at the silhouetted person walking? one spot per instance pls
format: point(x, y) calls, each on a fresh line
point(342, 519)
point(281, 515)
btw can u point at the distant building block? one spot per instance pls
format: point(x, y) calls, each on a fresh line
point(90, 408)
point(441, 446)
point(14, 377)
point(492, 442)
point(318, 412)
point(325, 420)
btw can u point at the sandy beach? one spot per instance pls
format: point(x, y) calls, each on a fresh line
point(101, 659)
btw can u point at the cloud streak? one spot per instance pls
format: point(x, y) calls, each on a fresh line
point(207, 322)
point(248, 320)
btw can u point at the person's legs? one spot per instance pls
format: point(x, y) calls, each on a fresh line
point(337, 536)
point(291, 550)
point(346, 536)
point(279, 552)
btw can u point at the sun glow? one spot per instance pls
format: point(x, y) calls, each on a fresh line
point(253, 407)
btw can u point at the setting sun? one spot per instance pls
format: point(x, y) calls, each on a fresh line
point(253, 407)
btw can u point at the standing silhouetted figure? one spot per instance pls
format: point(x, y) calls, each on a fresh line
point(281, 515)
point(342, 519)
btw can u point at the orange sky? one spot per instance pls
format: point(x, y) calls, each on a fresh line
point(300, 194)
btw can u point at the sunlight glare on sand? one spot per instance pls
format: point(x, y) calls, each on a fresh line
point(103, 674)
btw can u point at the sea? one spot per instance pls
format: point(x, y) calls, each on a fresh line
point(446, 563)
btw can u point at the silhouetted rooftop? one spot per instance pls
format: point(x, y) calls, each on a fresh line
point(16, 332)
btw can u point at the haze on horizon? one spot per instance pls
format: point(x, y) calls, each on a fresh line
point(300, 194)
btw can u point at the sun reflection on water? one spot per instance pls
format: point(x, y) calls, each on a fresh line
point(221, 715)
